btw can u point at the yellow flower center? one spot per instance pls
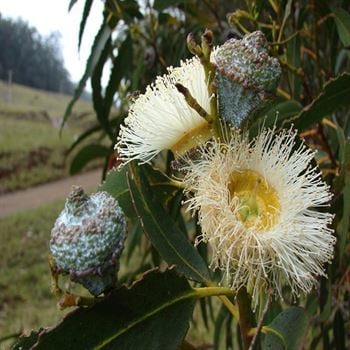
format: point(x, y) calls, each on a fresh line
point(192, 138)
point(258, 203)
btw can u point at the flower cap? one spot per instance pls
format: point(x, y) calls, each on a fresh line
point(246, 77)
point(88, 238)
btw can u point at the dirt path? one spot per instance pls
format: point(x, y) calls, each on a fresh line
point(39, 195)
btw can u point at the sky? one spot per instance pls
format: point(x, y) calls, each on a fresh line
point(52, 15)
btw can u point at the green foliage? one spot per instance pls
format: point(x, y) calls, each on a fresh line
point(335, 94)
point(86, 154)
point(342, 20)
point(87, 9)
point(169, 241)
point(27, 342)
point(344, 224)
point(311, 43)
point(287, 330)
point(116, 185)
point(130, 318)
point(99, 42)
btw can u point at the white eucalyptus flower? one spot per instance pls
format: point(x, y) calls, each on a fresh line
point(161, 119)
point(258, 207)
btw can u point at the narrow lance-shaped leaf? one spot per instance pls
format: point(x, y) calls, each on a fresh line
point(115, 122)
point(287, 11)
point(293, 55)
point(340, 335)
point(26, 342)
point(122, 66)
point(342, 20)
point(153, 313)
point(86, 12)
point(335, 94)
point(162, 187)
point(276, 115)
point(344, 224)
point(287, 330)
point(96, 85)
point(87, 154)
point(116, 185)
point(97, 47)
point(83, 136)
point(71, 4)
point(163, 232)
point(222, 316)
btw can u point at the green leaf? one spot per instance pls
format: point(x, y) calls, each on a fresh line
point(134, 238)
point(204, 312)
point(344, 224)
point(327, 307)
point(26, 342)
point(71, 4)
point(276, 115)
point(272, 312)
point(83, 136)
point(161, 185)
point(294, 59)
point(168, 239)
point(279, 113)
point(223, 315)
point(96, 85)
point(122, 66)
point(152, 314)
point(287, 11)
point(116, 185)
point(335, 94)
point(86, 11)
point(97, 47)
point(342, 21)
point(339, 331)
point(287, 330)
point(86, 154)
point(113, 123)
point(138, 74)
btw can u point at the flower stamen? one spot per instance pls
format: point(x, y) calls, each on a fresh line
point(192, 138)
point(258, 204)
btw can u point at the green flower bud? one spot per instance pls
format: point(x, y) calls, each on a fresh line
point(247, 77)
point(88, 238)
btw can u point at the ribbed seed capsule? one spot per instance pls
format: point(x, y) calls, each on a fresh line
point(247, 77)
point(88, 238)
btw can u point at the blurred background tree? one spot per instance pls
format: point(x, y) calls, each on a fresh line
point(31, 59)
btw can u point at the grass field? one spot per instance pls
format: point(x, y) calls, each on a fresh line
point(25, 101)
point(31, 149)
point(24, 274)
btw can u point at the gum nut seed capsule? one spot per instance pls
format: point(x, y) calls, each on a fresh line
point(88, 238)
point(247, 77)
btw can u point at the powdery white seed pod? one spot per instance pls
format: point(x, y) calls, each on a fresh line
point(247, 77)
point(88, 238)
